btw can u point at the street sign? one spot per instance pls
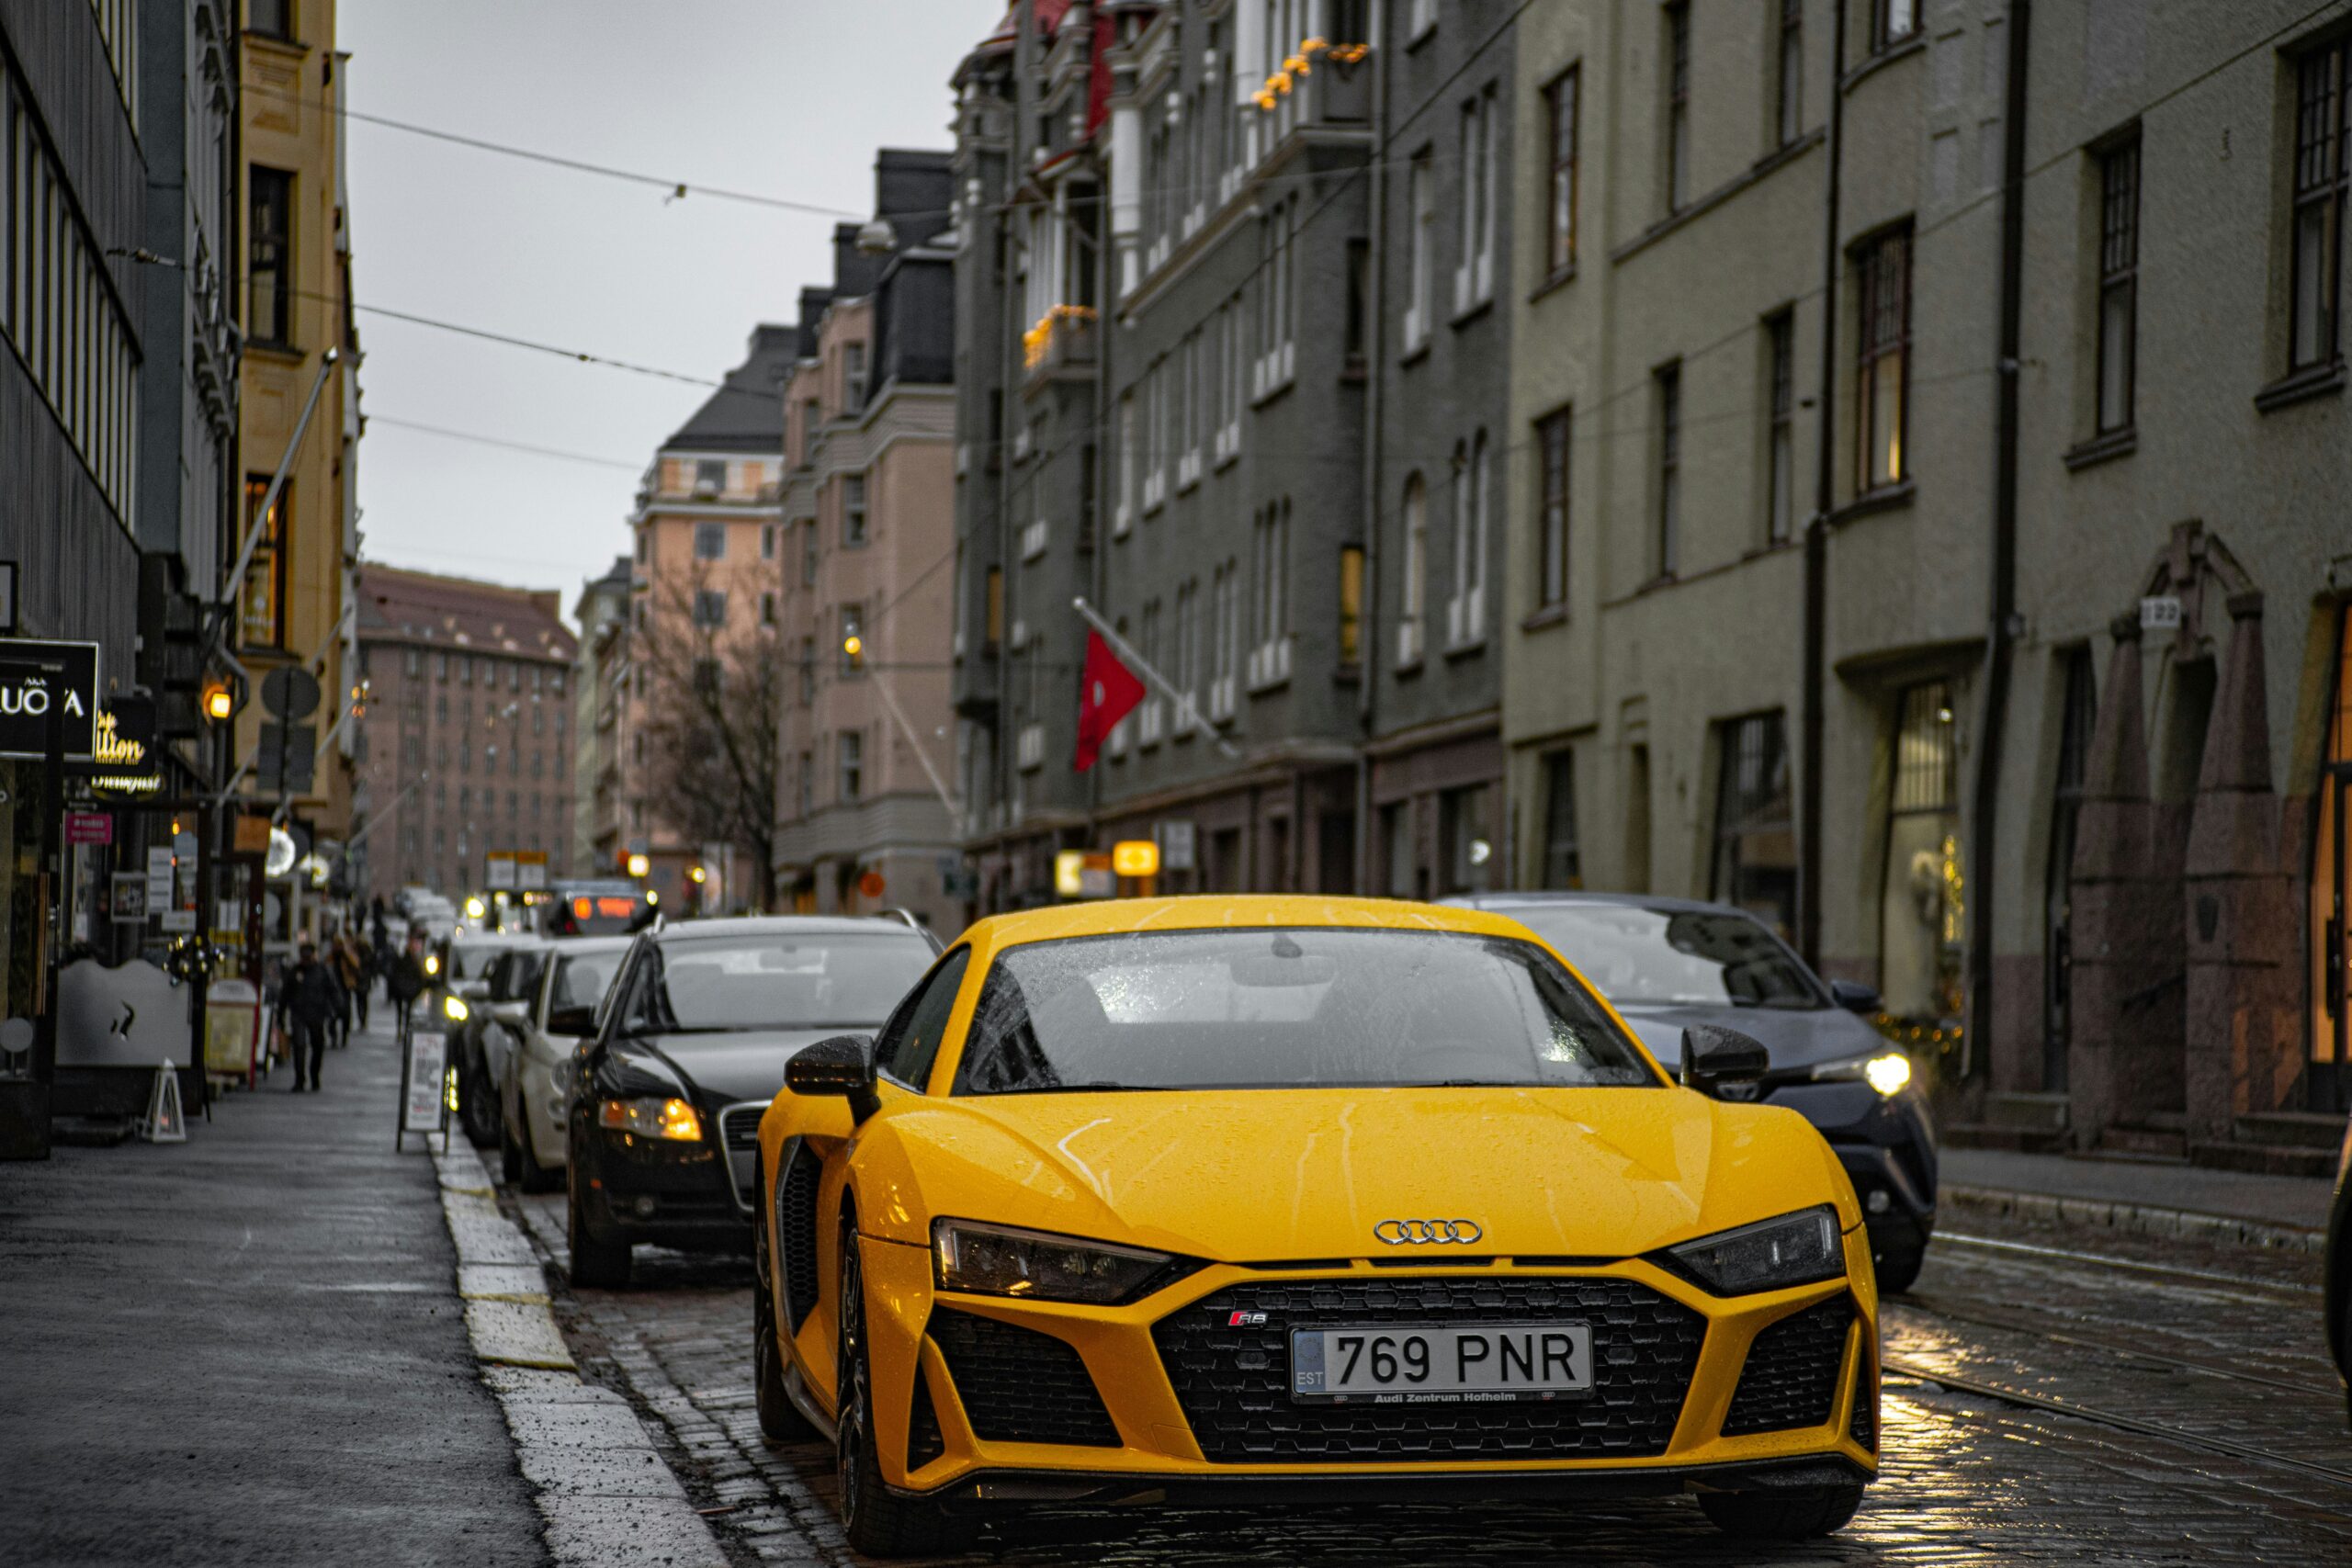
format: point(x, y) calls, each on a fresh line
point(531, 870)
point(2160, 612)
point(289, 758)
point(291, 693)
point(89, 828)
point(1175, 845)
point(498, 871)
point(25, 705)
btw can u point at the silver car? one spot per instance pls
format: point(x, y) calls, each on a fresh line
point(534, 1082)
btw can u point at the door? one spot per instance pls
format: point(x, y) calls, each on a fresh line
point(2332, 893)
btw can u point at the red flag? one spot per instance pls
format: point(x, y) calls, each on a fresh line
point(1107, 693)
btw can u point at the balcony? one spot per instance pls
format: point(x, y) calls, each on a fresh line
point(1063, 338)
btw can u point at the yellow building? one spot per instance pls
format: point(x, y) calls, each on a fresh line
point(295, 307)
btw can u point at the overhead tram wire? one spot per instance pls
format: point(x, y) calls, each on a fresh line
point(480, 440)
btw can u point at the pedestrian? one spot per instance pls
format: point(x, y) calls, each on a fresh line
point(312, 997)
point(353, 975)
point(406, 982)
point(363, 971)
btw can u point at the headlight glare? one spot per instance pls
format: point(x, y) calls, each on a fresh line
point(1795, 1250)
point(1886, 1071)
point(651, 1118)
point(998, 1260)
point(456, 1007)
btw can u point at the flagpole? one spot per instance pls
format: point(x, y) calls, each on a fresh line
point(1127, 655)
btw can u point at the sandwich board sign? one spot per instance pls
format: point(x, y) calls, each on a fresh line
point(423, 1109)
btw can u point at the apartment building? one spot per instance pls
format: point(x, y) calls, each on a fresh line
point(701, 664)
point(602, 614)
point(1925, 526)
point(464, 748)
point(863, 565)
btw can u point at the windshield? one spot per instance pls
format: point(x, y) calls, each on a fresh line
point(521, 975)
point(471, 961)
point(581, 981)
point(836, 980)
point(1296, 1008)
point(1668, 957)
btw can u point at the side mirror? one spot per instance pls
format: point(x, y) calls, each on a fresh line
point(474, 990)
point(579, 1022)
point(843, 1065)
point(1853, 996)
point(1714, 1056)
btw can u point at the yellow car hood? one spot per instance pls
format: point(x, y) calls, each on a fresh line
point(1254, 1176)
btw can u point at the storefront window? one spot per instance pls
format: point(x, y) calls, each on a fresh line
point(2329, 1086)
point(1468, 842)
point(1921, 901)
point(1756, 845)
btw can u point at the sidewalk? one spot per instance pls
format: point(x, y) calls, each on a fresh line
point(2146, 1196)
point(248, 1347)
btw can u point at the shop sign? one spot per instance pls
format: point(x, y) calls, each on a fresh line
point(26, 703)
point(129, 895)
point(89, 828)
point(158, 877)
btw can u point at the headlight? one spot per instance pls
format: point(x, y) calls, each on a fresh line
point(1885, 1071)
point(432, 964)
point(456, 1007)
point(1795, 1250)
point(651, 1118)
point(996, 1261)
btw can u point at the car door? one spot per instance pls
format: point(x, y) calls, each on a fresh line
point(813, 1175)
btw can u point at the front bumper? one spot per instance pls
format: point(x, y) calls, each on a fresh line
point(660, 1191)
point(1146, 1400)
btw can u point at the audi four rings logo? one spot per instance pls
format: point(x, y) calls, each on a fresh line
point(1428, 1233)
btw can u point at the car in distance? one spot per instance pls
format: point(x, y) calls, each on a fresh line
point(662, 1126)
point(487, 976)
point(1666, 963)
point(1221, 1197)
point(534, 1089)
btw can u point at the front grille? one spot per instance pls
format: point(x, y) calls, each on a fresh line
point(924, 1442)
point(795, 1232)
point(1234, 1384)
point(1790, 1378)
point(1863, 1422)
point(738, 1135)
point(1021, 1386)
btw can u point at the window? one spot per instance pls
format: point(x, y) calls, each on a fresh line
point(1670, 469)
point(1788, 75)
point(262, 616)
point(1466, 611)
point(1755, 859)
point(706, 677)
point(710, 475)
point(1920, 903)
point(1413, 600)
point(1678, 105)
point(1893, 22)
point(767, 610)
point(710, 541)
point(269, 254)
point(1560, 103)
point(1272, 609)
point(854, 376)
point(1883, 371)
point(1563, 860)
point(849, 750)
point(1474, 277)
point(1552, 511)
point(813, 420)
point(411, 663)
point(805, 784)
point(1422, 21)
point(852, 639)
point(1780, 428)
point(1125, 511)
point(2119, 283)
point(1350, 605)
point(809, 553)
point(2323, 186)
point(807, 670)
point(1421, 184)
point(910, 1042)
point(767, 541)
point(272, 16)
point(994, 621)
point(1464, 841)
point(466, 675)
point(853, 511)
point(710, 607)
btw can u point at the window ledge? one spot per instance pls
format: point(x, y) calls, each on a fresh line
point(1406, 668)
point(2102, 448)
point(1887, 55)
point(270, 349)
point(1474, 645)
point(2319, 381)
point(1413, 354)
point(1886, 498)
point(1553, 282)
point(1549, 615)
point(1472, 311)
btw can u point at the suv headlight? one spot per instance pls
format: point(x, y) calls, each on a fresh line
point(454, 1007)
point(1795, 1250)
point(1885, 1071)
point(651, 1118)
point(999, 1260)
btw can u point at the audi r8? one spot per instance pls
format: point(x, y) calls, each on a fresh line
point(1240, 1197)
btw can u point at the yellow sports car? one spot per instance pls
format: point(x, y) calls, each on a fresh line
point(1213, 1198)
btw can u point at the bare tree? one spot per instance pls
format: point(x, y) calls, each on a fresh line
point(713, 703)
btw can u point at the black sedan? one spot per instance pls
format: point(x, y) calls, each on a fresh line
point(663, 1132)
point(1667, 963)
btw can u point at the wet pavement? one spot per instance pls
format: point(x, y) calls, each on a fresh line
point(2048, 1399)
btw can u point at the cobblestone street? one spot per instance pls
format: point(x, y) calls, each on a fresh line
point(2047, 1400)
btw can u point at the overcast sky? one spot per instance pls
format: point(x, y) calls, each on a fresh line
point(786, 98)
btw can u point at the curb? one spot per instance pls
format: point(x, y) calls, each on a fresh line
point(2134, 1219)
point(606, 1495)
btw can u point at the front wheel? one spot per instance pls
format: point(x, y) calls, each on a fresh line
point(599, 1259)
point(529, 1175)
point(877, 1521)
point(1794, 1514)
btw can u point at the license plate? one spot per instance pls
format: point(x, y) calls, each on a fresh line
point(1434, 1364)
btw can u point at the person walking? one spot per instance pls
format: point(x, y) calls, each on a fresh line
point(360, 972)
point(311, 1000)
point(406, 980)
point(352, 975)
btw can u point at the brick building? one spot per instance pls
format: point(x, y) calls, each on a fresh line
point(466, 744)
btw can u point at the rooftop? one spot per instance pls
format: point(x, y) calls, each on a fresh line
point(486, 617)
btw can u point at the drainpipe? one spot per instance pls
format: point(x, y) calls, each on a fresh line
point(1375, 368)
point(2003, 625)
point(1816, 527)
